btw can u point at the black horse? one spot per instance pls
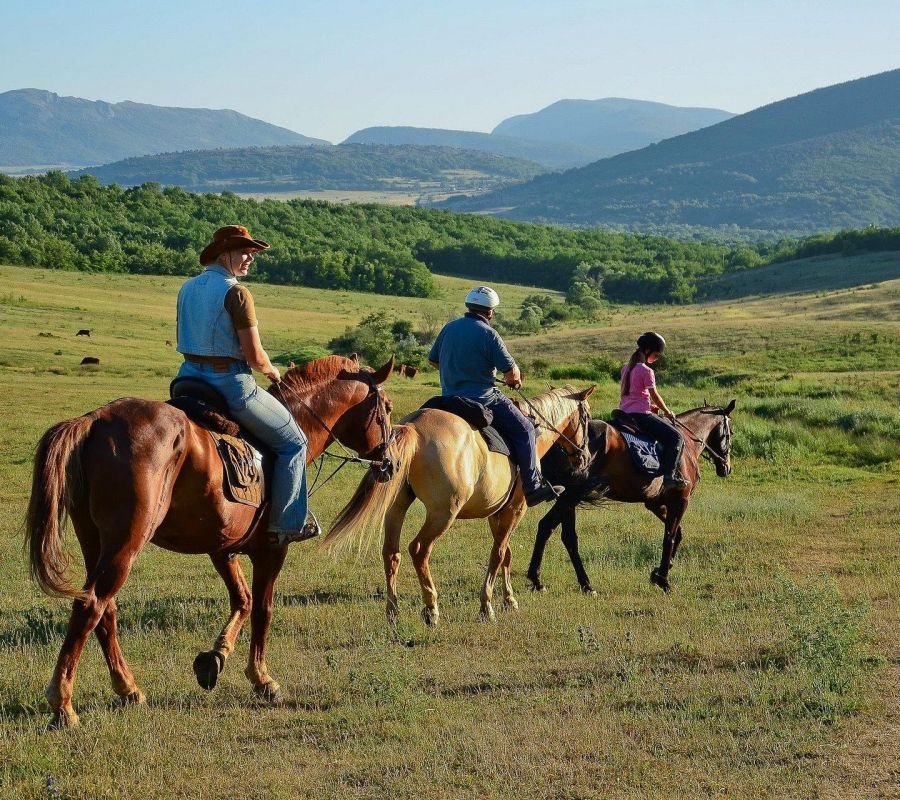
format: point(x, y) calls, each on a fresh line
point(611, 475)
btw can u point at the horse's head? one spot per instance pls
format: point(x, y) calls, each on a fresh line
point(573, 432)
point(366, 424)
point(719, 440)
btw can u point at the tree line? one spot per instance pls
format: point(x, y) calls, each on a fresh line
point(54, 222)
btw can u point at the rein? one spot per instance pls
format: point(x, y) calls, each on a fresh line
point(582, 422)
point(703, 445)
point(387, 434)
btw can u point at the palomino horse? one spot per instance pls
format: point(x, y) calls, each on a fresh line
point(611, 475)
point(138, 471)
point(444, 462)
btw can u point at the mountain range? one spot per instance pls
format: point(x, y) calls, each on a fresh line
point(40, 127)
point(825, 159)
point(345, 167)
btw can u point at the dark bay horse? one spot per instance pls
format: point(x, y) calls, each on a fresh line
point(138, 471)
point(444, 462)
point(611, 475)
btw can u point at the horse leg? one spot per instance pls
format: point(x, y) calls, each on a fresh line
point(209, 664)
point(673, 514)
point(502, 525)
point(570, 540)
point(545, 530)
point(123, 682)
point(267, 563)
point(104, 581)
point(676, 542)
point(436, 523)
point(390, 550)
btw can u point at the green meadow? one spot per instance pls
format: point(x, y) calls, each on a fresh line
point(771, 671)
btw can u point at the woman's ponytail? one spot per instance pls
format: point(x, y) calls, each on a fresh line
point(626, 380)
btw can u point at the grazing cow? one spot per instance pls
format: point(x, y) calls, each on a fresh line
point(90, 360)
point(168, 343)
point(400, 369)
point(83, 332)
point(411, 371)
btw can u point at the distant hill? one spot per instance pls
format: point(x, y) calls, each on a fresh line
point(823, 160)
point(550, 154)
point(613, 124)
point(346, 166)
point(40, 127)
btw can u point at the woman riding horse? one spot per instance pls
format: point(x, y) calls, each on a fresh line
point(219, 339)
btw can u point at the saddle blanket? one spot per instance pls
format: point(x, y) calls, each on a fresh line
point(242, 470)
point(645, 453)
point(476, 415)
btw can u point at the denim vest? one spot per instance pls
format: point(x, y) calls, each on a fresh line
point(204, 326)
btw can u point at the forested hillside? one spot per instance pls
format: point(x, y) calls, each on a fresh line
point(824, 160)
point(39, 127)
point(346, 166)
point(53, 222)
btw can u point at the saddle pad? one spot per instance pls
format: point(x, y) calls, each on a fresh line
point(242, 471)
point(494, 441)
point(644, 452)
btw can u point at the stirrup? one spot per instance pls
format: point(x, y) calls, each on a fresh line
point(310, 530)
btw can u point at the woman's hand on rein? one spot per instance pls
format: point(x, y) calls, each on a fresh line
point(273, 374)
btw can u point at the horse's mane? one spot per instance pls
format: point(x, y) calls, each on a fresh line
point(319, 371)
point(551, 405)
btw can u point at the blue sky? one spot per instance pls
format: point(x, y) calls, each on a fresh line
point(328, 68)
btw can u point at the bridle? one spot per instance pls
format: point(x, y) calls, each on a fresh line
point(705, 449)
point(377, 458)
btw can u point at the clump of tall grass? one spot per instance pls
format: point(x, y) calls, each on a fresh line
point(826, 645)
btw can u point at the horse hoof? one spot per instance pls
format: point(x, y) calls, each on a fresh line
point(63, 719)
point(658, 579)
point(488, 615)
point(588, 590)
point(207, 667)
point(430, 616)
point(269, 693)
point(511, 604)
point(537, 585)
point(134, 698)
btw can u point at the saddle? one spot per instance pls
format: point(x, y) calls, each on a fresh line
point(245, 460)
point(477, 415)
point(645, 452)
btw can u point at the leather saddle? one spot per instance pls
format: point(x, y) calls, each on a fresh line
point(245, 460)
point(477, 415)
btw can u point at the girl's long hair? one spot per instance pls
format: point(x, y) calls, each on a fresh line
point(626, 379)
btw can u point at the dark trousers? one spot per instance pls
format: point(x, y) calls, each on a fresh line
point(518, 430)
point(667, 435)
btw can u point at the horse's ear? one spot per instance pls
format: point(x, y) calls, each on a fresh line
point(586, 393)
point(705, 403)
point(384, 373)
point(353, 356)
point(551, 386)
point(729, 408)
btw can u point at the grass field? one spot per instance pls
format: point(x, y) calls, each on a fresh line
point(771, 671)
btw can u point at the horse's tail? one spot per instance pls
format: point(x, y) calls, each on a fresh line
point(371, 500)
point(57, 475)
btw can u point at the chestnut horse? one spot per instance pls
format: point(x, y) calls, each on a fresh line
point(444, 462)
point(611, 475)
point(138, 471)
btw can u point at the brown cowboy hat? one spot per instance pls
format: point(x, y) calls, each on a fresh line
point(231, 237)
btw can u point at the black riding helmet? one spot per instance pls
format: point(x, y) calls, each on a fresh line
point(651, 341)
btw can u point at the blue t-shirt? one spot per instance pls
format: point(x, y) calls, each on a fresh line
point(469, 353)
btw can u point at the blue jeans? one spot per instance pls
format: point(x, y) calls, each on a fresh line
point(271, 423)
point(518, 430)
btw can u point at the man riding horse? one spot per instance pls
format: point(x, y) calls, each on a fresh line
point(469, 352)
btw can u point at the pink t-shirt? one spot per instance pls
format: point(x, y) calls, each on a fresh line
point(637, 401)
